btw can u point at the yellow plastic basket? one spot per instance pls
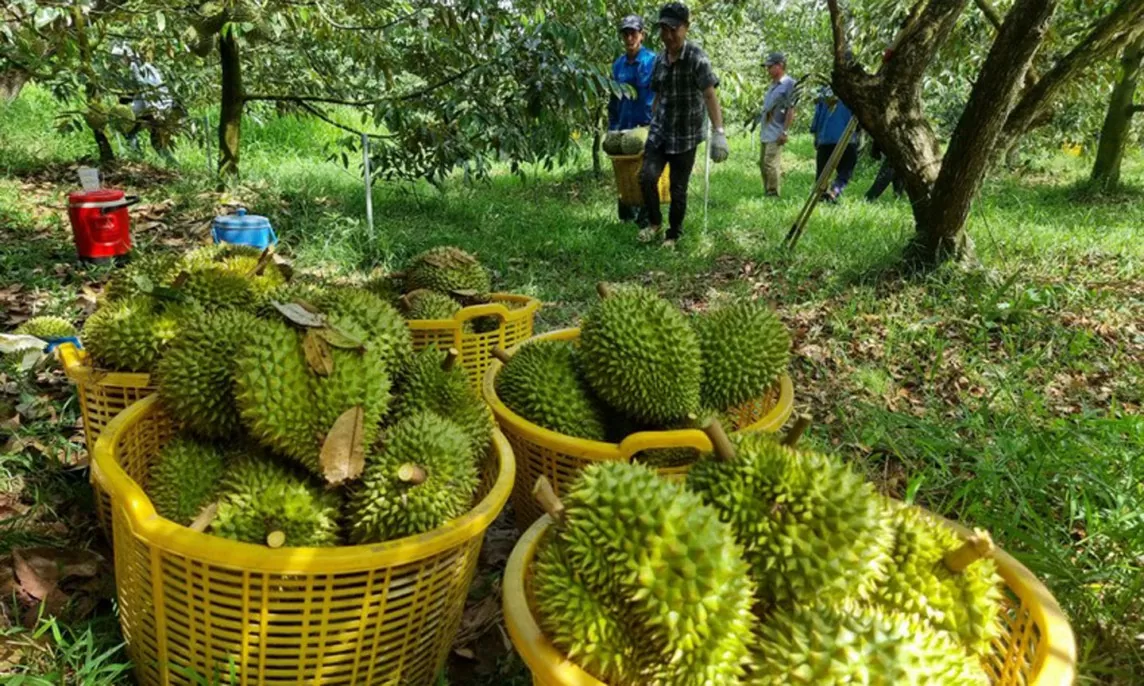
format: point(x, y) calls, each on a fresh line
point(102, 396)
point(627, 172)
point(199, 609)
point(541, 452)
point(515, 312)
point(1036, 647)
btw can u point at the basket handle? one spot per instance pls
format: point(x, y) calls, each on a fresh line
point(675, 438)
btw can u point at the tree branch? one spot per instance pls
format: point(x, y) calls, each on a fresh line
point(375, 101)
point(1135, 109)
point(1124, 24)
point(990, 12)
point(838, 31)
point(324, 117)
point(380, 27)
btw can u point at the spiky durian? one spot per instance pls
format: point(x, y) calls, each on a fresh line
point(214, 287)
point(918, 581)
point(425, 475)
point(542, 382)
point(641, 583)
point(811, 527)
point(259, 496)
point(46, 328)
point(383, 327)
point(447, 270)
point(431, 384)
point(426, 304)
point(745, 349)
point(185, 477)
point(827, 645)
point(130, 334)
point(641, 357)
point(195, 376)
point(145, 272)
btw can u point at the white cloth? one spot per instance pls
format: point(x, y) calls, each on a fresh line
point(153, 95)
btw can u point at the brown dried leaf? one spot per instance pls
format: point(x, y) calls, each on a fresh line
point(343, 452)
point(299, 315)
point(318, 353)
point(340, 338)
point(37, 575)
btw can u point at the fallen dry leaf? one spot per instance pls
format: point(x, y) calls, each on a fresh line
point(343, 452)
point(318, 354)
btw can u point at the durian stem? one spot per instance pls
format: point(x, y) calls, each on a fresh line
point(450, 360)
point(501, 354)
point(724, 449)
point(263, 260)
point(205, 517)
point(795, 433)
point(979, 545)
point(181, 279)
point(546, 496)
point(412, 473)
point(406, 303)
point(276, 539)
point(603, 289)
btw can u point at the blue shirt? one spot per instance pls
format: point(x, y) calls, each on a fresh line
point(829, 123)
point(626, 112)
point(779, 100)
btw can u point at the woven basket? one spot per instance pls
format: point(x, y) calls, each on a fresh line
point(102, 396)
point(627, 171)
point(515, 312)
point(541, 452)
point(1036, 647)
point(198, 609)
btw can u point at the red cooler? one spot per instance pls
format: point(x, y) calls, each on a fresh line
point(100, 223)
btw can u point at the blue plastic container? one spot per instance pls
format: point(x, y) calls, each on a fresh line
point(243, 228)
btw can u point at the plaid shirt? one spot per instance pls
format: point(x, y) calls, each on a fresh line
point(677, 123)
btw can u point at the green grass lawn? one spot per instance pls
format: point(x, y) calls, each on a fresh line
point(1008, 397)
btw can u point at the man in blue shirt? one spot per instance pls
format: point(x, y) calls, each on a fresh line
point(778, 113)
point(831, 116)
point(632, 68)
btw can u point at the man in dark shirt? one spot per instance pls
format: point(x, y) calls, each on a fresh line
point(684, 86)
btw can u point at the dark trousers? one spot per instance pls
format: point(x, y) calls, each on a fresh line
point(632, 213)
point(885, 177)
point(655, 159)
point(845, 165)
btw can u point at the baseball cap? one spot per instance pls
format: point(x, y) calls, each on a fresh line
point(673, 14)
point(633, 22)
point(775, 58)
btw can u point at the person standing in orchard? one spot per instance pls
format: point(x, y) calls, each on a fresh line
point(633, 68)
point(684, 86)
point(777, 116)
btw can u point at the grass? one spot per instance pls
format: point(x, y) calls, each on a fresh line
point(1009, 397)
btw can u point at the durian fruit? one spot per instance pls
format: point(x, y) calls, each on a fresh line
point(447, 270)
point(385, 285)
point(155, 269)
point(245, 260)
point(131, 334)
point(289, 407)
point(640, 583)
point(304, 292)
point(542, 382)
point(46, 327)
point(214, 287)
point(641, 357)
point(632, 141)
point(827, 645)
point(432, 382)
point(425, 475)
point(383, 327)
point(613, 143)
point(426, 304)
point(260, 496)
point(195, 376)
point(924, 579)
point(745, 349)
point(810, 526)
point(185, 477)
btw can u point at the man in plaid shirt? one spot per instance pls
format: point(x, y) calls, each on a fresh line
point(684, 86)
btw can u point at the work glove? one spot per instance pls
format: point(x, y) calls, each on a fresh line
point(719, 150)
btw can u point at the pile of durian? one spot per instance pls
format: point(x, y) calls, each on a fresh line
point(306, 418)
point(641, 364)
point(768, 566)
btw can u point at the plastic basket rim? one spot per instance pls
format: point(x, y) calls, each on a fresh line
point(162, 533)
point(531, 305)
point(1055, 665)
point(76, 366)
point(643, 440)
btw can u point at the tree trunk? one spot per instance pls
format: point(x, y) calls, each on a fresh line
point(233, 99)
point(597, 142)
point(1115, 132)
point(941, 218)
point(12, 82)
